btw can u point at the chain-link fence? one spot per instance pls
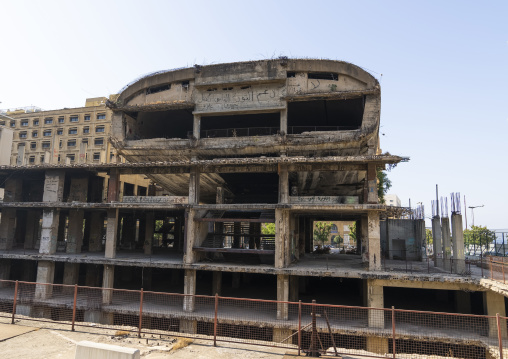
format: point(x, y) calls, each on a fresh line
point(310, 328)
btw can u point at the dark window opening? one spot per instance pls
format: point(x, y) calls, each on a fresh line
point(185, 85)
point(142, 191)
point(291, 74)
point(245, 87)
point(212, 89)
point(163, 124)
point(227, 89)
point(251, 187)
point(264, 124)
point(128, 189)
point(325, 115)
point(323, 76)
point(156, 89)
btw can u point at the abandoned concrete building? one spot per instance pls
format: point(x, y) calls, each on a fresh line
point(233, 146)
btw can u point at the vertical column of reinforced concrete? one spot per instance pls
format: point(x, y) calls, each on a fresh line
point(149, 229)
point(372, 197)
point(445, 235)
point(284, 121)
point(459, 262)
point(108, 280)
point(282, 236)
point(32, 229)
point(96, 228)
point(494, 304)
point(53, 192)
point(283, 184)
point(374, 244)
point(196, 127)
point(375, 299)
point(12, 193)
point(189, 287)
point(420, 237)
point(293, 288)
point(437, 244)
point(363, 227)
point(282, 296)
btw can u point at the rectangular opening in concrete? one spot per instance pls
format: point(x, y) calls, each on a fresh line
point(338, 291)
point(251, 187)
point(343, 187)
point(263, 124)
point(325, 115)
point(161, 124)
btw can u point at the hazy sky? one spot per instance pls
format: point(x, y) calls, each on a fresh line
point(443, 68)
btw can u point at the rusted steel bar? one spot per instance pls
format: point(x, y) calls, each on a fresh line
point(393, 333)
point(299, 327)
point(140, 312)
point(331, 334)
point(499, 335)
point(74, 305)
point(313, 351)
point(15, 301)
point(215, 320)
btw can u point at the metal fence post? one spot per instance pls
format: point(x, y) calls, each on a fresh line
point(140, 312)
point(499, 336)
point(299, 327)
point(74, 305)
point(215, 320)
point(394, 349)
point(14, 303)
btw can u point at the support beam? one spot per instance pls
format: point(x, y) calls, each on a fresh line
point(196, 127)
point(374, 244)
point(149, 229)
point(71, 276)
point(194, 186)
point(75, 231)
point(283, 184)
point(32, 229)
point(53, 192)
point(189, 288)
point(111, 233)
point(293, 288)
point(447, 251)
point(108, 280)
point(437, 244)
point(45, 274)
point(459, 259)
point(372, 197)
point(96, 229)
point(282, 237)
point(7, 228)
point(282, 296)
point(494, 304)
point(375, 299)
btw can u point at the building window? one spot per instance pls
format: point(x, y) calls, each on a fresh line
point(71, 143)
point(96, 156)
point(85, 141)
point(101, 116)
point(36, 122)
point(24, 123)
point(58, 158)
point(42, 158)
point(73, 131)
point(59, 131)
point(99, 141)
point(74, 118)
point(61, 119)
point(13, 123)
point(33, 145)
point(87, 117)
point(60, 144)
point(86, 129)
point(34, 134)
point(2, 123)
point(71, 157)
point(31, 159)
point(99, 129)
point(48, 121)
point(46, 133)
point(46, 144)
point(22, 135)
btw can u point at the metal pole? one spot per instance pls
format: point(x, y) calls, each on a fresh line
point(299, 326)
point(215, 320)
point(499, 336)
point(140, 312)
point(15, 300)
point(74, 305)
point(393, 333)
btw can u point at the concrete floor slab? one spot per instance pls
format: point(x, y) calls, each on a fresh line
point(8, 331)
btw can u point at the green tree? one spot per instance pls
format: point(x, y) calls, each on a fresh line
point(322, 231)
point(268, 228)
point(383, 185)
point(428, 236)
point(338, 240)
point(352, 232)
point(479, 235)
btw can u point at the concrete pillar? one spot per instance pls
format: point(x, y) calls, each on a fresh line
point(377, 345)
point(114, 186)
point(189, 288)
point(149, 228)
point(194, 187)
point(195, 233)
point(196, 127)
point(458, 244)
point(293, 288)
point(284, 121)
point(45, 274)
point(188, 326)
point(235, 284)
point(53, 192)
point(463, 302)
point(32, 229)
point(282, 237)
point(437, 244)
point(494, 304)
point(108, 280)
point(111, 233)
point(363, 225)
point(219, 198)
point(217, 283)
point(96, 228)
point(75, 231)
point(282, 296)
point(447, 250)
point(372, 196)
point(374, 244)
point(7, 228)
point(283, 335)
point(71, 276)
point(375, 299)
point(420, 236)
point(283, 184)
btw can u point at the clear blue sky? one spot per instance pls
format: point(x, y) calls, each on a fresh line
point(444, 67)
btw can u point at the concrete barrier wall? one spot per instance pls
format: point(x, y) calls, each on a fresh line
point(90, 350)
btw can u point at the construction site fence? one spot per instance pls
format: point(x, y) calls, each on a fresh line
point(307, 328)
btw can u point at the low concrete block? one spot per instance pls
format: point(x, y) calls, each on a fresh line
point(90, 350)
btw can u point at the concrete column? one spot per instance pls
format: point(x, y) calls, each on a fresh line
point(96, 228)
point(494, 304)
point(114, 186)
point(217, 283)
point(420, 236)
point(75, 231)
point(189, 287)
point(108, 280)
point(282, 237)
point(195, 234)
point(437, 244)
point(293, 288)
point(447, 251)
point(374, 244)
point(111, 233)
point(53, 192)
point(284, 121)
point(372, 196)
point(363, 227)
point(71, 276)
point(458, 244)
point(149, 228)
point(7, 228)
point(45, 274)
point(219, 198)
point(196, 127)
point(282, 296)
point(194, 187)
point(32, 229)
point(375, 299)
point(283, 184)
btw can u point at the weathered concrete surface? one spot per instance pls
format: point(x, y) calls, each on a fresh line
point(91, 350)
